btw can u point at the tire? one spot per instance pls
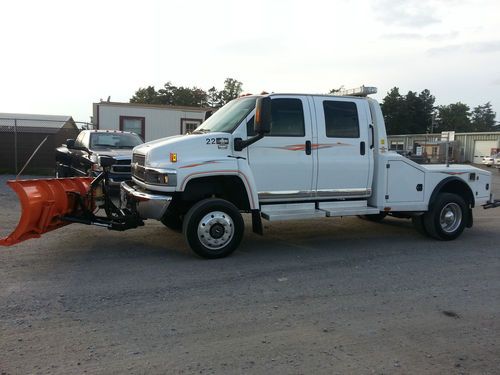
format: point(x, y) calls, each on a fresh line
point(172, 221)
point(418, 223)
point(377, 218)
point(447, 217)
point(213, 228)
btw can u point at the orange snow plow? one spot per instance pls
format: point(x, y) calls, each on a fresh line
point(43, 203)
point(49, 204)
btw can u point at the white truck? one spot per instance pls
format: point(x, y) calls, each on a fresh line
point(294, 157)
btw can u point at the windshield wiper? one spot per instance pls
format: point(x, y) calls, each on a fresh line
point(201, 131)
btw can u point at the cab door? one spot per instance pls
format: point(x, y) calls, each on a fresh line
point(282, 162)
point(345, 155)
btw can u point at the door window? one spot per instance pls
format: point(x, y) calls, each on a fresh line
point(341, 119)
point(287, 118)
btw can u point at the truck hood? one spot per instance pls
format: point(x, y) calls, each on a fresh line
point(119, 153)
point(189, 149)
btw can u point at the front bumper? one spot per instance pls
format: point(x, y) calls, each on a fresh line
point(148, 205)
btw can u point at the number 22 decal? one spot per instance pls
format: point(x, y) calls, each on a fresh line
point(210, 141)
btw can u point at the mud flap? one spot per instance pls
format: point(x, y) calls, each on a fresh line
point(470, 218)
point(44, 202)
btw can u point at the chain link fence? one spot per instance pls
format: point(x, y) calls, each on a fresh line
point(27, 145)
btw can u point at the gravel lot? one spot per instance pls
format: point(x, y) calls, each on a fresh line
point(337, 296)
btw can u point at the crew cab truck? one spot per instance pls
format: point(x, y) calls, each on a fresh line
point(294, 157)
point(81, 157)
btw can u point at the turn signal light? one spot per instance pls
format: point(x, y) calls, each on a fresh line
point(173, 157)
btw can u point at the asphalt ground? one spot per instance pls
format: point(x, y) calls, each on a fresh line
point(336, 296)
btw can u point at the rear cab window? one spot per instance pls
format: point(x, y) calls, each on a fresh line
point(341, 119)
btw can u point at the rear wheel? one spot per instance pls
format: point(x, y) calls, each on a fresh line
point(447, 218)
point(213, 228)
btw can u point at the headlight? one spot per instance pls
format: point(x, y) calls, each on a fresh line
point(94, 158)
point(158, 177)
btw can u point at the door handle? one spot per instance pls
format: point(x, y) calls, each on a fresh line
point(373, 137)
point(362, 148)
point(308, 148)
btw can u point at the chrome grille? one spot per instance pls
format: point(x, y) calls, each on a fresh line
point(139, 159)
point(138, 169)
point(122, 166)
point(120, 169)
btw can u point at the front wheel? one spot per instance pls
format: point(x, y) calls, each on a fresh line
point(213, 228)
point(447, 218)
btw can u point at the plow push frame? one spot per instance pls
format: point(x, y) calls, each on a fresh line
point(49, 204)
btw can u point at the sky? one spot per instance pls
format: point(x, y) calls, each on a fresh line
point(59, 57)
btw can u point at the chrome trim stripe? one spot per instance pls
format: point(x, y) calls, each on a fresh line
point(343, 192)
point(287, 194)
point(311, 195)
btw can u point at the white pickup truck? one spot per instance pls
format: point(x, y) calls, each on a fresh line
point(294, 157)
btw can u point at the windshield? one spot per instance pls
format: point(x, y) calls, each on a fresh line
point(228, 117)
point(114, 140)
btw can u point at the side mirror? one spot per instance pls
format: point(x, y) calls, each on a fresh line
point(70, 143)
point(262, 124)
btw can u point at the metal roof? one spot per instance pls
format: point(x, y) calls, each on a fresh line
point(35, 121)
point(156, 106)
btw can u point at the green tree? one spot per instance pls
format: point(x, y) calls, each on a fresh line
point(180, 95)
point(232, 89)
point(213, 97)
point(426, 110)
point(483, 118)
point(393, 110)
point(408, 114)
point(334, 91)
point(189, 96)
point(453, 117)
point(146, 95)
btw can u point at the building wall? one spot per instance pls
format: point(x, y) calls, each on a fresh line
point(464, 142)
point(159, 122)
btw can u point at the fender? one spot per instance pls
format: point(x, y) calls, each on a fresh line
point(237, 173)
point(446, 181)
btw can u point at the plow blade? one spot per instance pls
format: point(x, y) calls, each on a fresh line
point(44, 202)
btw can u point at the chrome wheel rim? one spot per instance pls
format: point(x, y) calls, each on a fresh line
point(450, 217)
point(215, 230)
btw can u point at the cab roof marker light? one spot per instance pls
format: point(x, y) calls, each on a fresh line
point(358, 91)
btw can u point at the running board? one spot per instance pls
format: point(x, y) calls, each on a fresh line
point(293, 211)
point(334, 209)
point(300, 211)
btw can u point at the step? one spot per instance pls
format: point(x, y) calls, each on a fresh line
point(294, 211)
point(347, 208)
